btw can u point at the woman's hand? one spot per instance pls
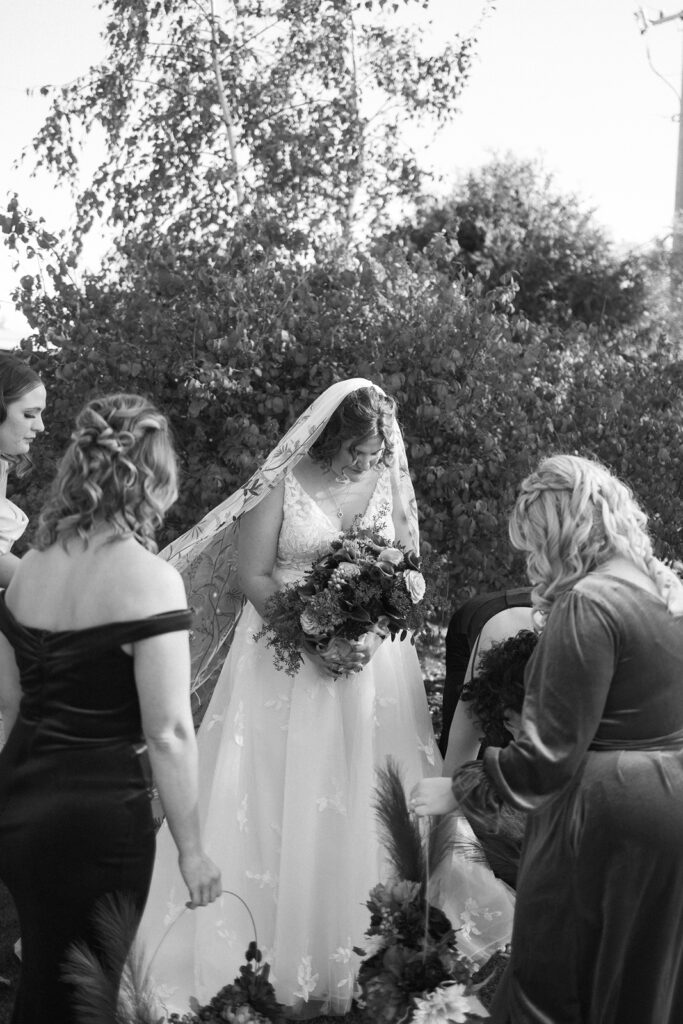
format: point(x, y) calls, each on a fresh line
point(346, 657)
point(433, 797)
point(363, 651)
point(202, 878)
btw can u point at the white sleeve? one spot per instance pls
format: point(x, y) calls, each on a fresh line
point(13, 522)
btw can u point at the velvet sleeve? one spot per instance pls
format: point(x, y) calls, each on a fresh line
point(566, 686)
point(498, 826)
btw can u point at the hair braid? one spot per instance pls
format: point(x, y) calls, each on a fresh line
point(119, 468)
point(571, 516)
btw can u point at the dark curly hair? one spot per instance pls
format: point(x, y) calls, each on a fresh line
point(363, 413)
point(120, 468)
point(499, 685)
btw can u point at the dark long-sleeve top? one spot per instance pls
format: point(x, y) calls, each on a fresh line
point(606, 675)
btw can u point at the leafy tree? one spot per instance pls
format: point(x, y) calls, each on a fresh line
point(509, 220)
point(298, 109)
point(234, 345)
point(233, 309)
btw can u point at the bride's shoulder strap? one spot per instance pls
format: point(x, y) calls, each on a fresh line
point(207, 555)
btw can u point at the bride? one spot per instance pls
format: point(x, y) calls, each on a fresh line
point(287, 764)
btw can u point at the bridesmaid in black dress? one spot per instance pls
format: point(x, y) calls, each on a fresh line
point(94, 666)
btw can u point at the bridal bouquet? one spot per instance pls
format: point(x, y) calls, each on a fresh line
point(363, 588)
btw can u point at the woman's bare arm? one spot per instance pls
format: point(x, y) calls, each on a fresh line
point(258, 540)
point(162, 676)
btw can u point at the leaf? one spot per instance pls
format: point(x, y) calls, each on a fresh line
point(398, 830)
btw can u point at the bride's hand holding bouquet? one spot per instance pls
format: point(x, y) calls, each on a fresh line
point(363, 590)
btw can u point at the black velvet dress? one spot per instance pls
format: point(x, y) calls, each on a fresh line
point(75, 815)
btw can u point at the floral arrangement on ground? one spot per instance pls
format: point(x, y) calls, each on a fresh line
point(412, 970)
point(364, 586)
point(249, 1000)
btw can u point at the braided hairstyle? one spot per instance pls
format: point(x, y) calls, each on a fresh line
point(363, 413)
point(571, 516)
point(120, 469)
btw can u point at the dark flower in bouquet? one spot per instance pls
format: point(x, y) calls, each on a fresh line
point(363, 587)
point(411, 949)
point(250, 999)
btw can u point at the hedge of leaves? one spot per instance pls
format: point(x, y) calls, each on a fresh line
point(233, 339)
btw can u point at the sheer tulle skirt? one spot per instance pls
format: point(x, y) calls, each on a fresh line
point(287, 777)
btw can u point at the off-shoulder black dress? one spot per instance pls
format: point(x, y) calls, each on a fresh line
point(75, 815)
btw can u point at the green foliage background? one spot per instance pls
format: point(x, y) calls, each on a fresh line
point(253, 262)
point(234, 344)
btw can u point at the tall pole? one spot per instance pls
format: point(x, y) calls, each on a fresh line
point(677, 232)
point(677, 242)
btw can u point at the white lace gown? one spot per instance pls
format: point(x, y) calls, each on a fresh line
point(287, 770)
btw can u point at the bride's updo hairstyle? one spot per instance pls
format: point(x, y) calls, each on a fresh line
point(120, 468)
point(571, 516)
point(364, 413)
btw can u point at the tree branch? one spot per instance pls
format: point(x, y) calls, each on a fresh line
point(225, 109)
point(352, 201)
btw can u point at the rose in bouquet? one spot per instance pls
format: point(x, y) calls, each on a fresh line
point(362, 589)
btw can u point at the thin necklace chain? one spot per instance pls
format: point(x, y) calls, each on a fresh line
point(339, 508)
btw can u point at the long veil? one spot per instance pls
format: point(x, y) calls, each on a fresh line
point(286, 777)
point(206, 555)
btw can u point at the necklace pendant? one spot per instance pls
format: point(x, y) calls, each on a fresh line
point(340, 514)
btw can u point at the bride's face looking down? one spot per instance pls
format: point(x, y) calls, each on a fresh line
point(357, 457)
point(358, 437)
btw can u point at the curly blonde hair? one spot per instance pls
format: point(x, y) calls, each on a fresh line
point(120, 469)
point(571, 516)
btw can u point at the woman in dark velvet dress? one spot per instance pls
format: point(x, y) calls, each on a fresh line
point(598, 764)
point(94, 663)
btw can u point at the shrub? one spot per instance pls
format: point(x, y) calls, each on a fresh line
point(234, 339)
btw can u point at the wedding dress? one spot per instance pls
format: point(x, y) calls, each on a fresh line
point(288, 813)
point(287, 779)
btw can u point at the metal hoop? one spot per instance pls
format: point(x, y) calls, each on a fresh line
point(224, 892)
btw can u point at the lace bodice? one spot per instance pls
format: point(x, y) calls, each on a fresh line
point(307, 530)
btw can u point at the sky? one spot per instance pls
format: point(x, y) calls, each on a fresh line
point(575, 84)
